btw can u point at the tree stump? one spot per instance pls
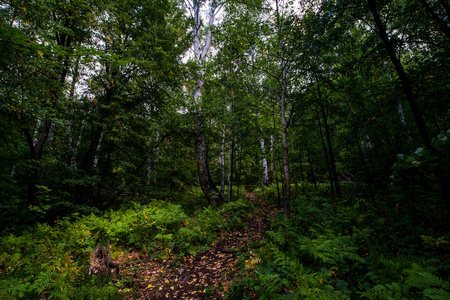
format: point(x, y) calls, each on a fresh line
point(101, 262)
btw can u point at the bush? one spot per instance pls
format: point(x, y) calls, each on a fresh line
point(343, 250)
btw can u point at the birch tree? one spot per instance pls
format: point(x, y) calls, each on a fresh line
point(201, 47)
point(284, 125)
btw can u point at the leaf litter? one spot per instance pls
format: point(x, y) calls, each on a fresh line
point(208, 274)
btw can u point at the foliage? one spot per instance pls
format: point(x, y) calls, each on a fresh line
point(97, 116)
point(328, 251)
point(202, 228)
point(52, 261)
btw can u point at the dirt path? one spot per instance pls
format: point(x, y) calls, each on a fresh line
point(209, 274)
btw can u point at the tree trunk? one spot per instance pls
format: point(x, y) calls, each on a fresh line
point(230, 171)
point(272, 167)
point(206, 183)
point(284, 145)
point(327, 161)
point(222, 163)
point(330, 145)
point(311, 168)
point(238, 169)
point(204, 177)
point(331, 153)
point(91, 154)
point(293, 164)
point(276, 172)
point(264, 164)
point(410, 96)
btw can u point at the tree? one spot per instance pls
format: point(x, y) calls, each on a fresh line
point(410, 96)
point(200, 58)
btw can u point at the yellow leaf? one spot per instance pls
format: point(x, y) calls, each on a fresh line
point(150, 286)
point(40, 53)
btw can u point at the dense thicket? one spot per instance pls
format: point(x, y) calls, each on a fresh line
point(106, 101)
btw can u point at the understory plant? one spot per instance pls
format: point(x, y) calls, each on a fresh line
point(344, 249)
point(52, 261)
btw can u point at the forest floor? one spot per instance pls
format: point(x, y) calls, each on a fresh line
point(207, 275)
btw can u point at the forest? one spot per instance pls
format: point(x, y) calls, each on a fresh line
point(225, 149)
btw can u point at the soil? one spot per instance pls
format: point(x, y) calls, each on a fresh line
point(207, 275)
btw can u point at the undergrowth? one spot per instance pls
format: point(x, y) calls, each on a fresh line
point(53, 261)
point(346, 249)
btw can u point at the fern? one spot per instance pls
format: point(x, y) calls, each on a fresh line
point(416, 281)
point(329, 248)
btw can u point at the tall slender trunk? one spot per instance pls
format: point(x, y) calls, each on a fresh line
point(222, 163)
point(272, 167)
point(330, 145)
point(276, 172)
point(88, 161)
point(274, 159)
point(97, 154)
point(327, 161)
point(230, 170)
point(410, 96)
point(284, 125)
point(208, 187)
point(264, 164)
point(293, 164)
point(238, 169)
point(311, 168)
point(70, 142)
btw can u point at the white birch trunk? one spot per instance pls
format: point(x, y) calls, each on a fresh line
point(70, 144)
point(13, 171)
point(284, 145)
point(97, 154)
point(155, 159)
point(36, 130)
point(264, 164)
point(230, 171)
point(222, 162)
point(201, 148)
point(272, 165)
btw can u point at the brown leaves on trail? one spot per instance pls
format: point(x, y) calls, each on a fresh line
point(208, 275)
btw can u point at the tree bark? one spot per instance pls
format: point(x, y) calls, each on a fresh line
point(284, 125)
point(208, 187)
point(334, 176)
point(272, 155)
point(206, 183)
point(87, 163)
point(264, 164)
point(327, 161)
point(293, 163)
point(230, 171)
point(238, 169)
point(222, 163)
